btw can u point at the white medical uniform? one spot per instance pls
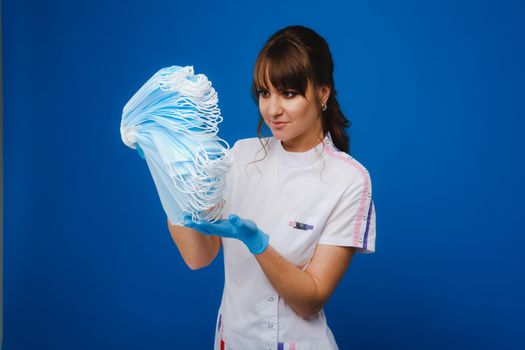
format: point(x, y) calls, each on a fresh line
point(300, 199)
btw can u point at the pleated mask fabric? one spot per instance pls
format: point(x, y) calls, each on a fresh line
point(172, 120)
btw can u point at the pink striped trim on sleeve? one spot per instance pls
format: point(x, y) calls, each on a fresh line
point(361, 215)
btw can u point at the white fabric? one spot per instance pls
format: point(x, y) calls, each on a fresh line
point(322, 196)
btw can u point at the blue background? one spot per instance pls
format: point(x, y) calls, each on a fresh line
point(435, 92)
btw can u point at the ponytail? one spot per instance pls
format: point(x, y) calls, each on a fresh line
point(336, 123)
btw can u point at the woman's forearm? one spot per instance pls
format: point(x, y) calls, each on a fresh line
point(298, 289)
point(197, 250)
point(306, 291)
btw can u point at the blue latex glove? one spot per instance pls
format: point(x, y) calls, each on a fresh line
point(235, 227)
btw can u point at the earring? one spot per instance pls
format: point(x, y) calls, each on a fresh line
point(324, 107)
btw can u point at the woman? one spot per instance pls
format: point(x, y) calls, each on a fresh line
point(297, 206)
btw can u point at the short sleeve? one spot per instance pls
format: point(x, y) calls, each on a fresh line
point(352, 222)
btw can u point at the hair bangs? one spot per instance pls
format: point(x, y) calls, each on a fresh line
point(284, 66)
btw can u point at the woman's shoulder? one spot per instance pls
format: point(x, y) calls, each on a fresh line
point(343, 163)
point(251, 145)
point(251, 142)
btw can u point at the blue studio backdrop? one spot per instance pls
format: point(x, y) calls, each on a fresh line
point(434, 90)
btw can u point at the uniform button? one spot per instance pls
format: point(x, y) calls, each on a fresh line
point(270, 325)
point(270, 299)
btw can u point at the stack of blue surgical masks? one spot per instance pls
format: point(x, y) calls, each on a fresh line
point(172, 121)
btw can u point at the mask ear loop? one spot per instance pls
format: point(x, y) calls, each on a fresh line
point(190, 184)
point(174, 119)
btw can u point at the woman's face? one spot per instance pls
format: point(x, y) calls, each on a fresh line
point(292, 118)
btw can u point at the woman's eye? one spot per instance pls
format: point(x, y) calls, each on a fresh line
point(289, 94)
point(262, 93)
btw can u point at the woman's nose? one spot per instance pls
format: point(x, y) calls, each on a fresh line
point(275, 107)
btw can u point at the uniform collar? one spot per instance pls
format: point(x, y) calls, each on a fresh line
point(297, 159)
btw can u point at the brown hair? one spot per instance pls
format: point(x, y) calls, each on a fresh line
point(292, 57)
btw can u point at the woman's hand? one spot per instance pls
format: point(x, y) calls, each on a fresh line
point(234, 227)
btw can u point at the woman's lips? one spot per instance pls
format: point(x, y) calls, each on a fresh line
point(279, 125)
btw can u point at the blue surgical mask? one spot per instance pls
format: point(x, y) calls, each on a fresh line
point(172, 121)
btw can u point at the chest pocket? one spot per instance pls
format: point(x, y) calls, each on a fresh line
point(297, 237)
